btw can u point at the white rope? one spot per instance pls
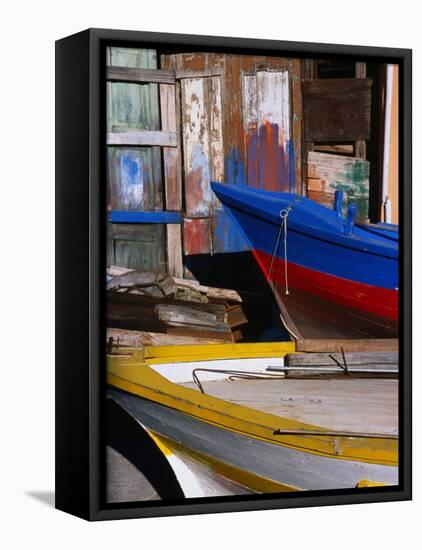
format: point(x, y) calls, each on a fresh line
point(284, 214)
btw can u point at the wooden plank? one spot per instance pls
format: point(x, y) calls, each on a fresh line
point(124, 216)
point(171, 155)
point(225, 294)
point(222, 335)
point(174, 250)
point(360, 145)
point(172, 178)
point(180, 74)
point(166, 354)
point(363, 358)
point(297, 122)
point(267, 128)
point(328, 173)
point(342, 149)
point(337, 110)
point(329, 346)
point(236, 316)
point(175, 315)
point(196, 148)
point(215, 118)
point(130, 74)
point(143, 137)
point(137, 338)
point(197, 236)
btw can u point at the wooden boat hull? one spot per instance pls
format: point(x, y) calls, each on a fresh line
point(258, 450)
point(256, 464)
point(326, 266)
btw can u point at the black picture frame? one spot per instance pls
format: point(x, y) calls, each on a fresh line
point(80, 282)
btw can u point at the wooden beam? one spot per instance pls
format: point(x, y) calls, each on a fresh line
point(143, 137)
point(360, 145)
point(130, 74)
point(329, 346)
point(174, 250)
point(125, 216)
point(172, 177)
point(369, 360)
point(197, 74)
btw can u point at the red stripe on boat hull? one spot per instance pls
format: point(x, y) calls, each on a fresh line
point(370, 299)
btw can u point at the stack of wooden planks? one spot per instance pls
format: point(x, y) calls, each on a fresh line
point(160, 304)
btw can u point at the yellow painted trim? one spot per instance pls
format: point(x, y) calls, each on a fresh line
point(159, 441)
point(367, 483)
point(242, 477)
point(203, 352)
point(141, 380)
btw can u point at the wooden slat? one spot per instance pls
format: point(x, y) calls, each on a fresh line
point(342, 149)
point(138, 338)
point(215, 118)
point(297, 121)
point(197, 236)
point(176, 315)
point(266, 107)
point(180, 74)
point(171, 155)
point(143, 137)
point(196, 139)
point(336, 345)
point(337, 110)
point(172, 177)
point(327, 172)
point(126, 216)
point(130, 74)
point(225, 294)
point(174, 250)
point(364, 358)
point(360, 145)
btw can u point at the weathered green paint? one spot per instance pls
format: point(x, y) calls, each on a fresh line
point(132, 106)
point(329, 172)
point(355, 185)
point(135, 179)
point(139, 246)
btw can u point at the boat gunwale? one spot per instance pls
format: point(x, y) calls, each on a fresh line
point(354, 242)
point(241, 419)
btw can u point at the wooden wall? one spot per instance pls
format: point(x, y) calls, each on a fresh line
point(241, 121)
point(175, 124)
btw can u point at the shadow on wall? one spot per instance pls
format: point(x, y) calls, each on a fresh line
point(239, 271)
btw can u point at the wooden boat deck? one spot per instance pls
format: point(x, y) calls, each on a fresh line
point(357, 405)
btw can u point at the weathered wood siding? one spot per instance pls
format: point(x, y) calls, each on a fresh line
point(135, 175)
point(328, 173)
point(337, 110)
point(241, 124)
point(266, 109)
point(202, 142)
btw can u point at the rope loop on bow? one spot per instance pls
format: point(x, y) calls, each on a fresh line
point(284, 214)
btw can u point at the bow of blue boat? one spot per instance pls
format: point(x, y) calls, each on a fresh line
point(309, 217)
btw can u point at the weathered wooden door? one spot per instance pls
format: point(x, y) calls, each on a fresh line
point(142, 156)
point(268, 141)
